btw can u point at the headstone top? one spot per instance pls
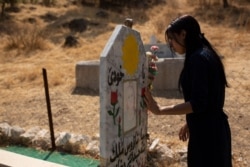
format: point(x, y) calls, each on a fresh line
point(128, 22)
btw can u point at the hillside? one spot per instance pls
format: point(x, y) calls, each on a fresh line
point(33, 39)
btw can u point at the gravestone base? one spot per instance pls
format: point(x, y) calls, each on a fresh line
point(87, 75)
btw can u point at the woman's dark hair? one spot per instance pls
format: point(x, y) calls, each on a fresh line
point(194, 39)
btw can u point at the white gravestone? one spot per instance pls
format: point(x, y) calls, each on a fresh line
point(123, 114)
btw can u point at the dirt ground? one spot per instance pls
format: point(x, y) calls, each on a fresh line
point(22, 100)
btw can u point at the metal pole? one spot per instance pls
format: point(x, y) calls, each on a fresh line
point(49, 109)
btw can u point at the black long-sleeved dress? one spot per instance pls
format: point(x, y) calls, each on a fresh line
point(210, 137)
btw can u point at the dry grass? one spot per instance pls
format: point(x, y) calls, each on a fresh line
point(26, 38)
point(36, 46)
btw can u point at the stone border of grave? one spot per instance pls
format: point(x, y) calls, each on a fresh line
point(169, 68)
point(39, 138)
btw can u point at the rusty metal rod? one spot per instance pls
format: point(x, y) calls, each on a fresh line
point(46, 87)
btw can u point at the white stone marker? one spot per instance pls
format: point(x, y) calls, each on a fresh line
point(123, 115)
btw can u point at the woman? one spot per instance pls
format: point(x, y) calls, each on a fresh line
point(203, 83)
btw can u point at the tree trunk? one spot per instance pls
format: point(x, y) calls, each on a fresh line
point(102, 3)
point(46, 2)
point(12, 3)
point(3, 9)
point(225, 4)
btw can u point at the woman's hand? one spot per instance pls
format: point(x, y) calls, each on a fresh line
point(184, 133)
point(152, 105)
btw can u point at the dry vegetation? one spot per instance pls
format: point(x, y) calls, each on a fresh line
point(32, 40)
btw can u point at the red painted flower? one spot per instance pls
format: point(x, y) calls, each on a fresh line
point(114, 98)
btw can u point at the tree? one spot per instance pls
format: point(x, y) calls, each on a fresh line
point(3, 8)
point(11, 2)
point(47, 2)
point(225, 3)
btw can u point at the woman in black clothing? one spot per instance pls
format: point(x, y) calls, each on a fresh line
point(203, 82)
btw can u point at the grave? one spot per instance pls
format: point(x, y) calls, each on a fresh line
point(169, 68)
point(87, 74)
point(123, 115)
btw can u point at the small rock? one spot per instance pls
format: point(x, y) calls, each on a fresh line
point(93, 148)
point(63, 138)
point(16, 131)
point(42, 139)
point(166, 153)
point(154, 144)
point(79, 139)
point(31, 133)
point(5, 128)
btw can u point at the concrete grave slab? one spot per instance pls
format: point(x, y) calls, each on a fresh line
point(167, 78)
point(10, 159)
point(87, 74)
